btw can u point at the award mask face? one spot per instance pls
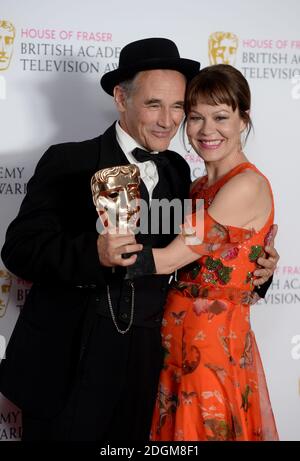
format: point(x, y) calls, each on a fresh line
point(116, 196)
point(222, 48)
point(5, 286)
point(7, 37)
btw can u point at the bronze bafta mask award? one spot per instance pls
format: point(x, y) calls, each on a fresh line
point(116, 196)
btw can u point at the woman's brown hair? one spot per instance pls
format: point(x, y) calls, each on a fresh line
point(221, 84)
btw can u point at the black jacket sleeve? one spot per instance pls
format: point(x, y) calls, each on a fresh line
point(54, 236)
point(262, 290)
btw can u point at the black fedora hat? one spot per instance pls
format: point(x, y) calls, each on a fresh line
point(148, 54)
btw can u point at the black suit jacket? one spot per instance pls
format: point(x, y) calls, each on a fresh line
point(52, 243)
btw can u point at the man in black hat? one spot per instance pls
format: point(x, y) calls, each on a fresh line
point(84, 358)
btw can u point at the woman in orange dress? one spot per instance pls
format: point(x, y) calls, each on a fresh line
point(212, 386)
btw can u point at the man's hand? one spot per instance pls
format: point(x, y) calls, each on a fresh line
point(250, 298)
point(111, 245)
point(269, 262)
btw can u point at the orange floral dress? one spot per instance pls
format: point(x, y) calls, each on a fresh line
point(212, 386)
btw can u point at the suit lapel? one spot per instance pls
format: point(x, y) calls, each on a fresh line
point(111, 153)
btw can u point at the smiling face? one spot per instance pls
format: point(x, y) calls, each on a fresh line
point(153, 110)
point(217, 107)
point(214, 131)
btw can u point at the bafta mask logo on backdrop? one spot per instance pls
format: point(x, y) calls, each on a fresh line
point(5, 286)
point(222, 48)
point(7, 37)
point(116, 196)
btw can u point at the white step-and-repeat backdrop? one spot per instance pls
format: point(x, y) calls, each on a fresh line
point(52, 55)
